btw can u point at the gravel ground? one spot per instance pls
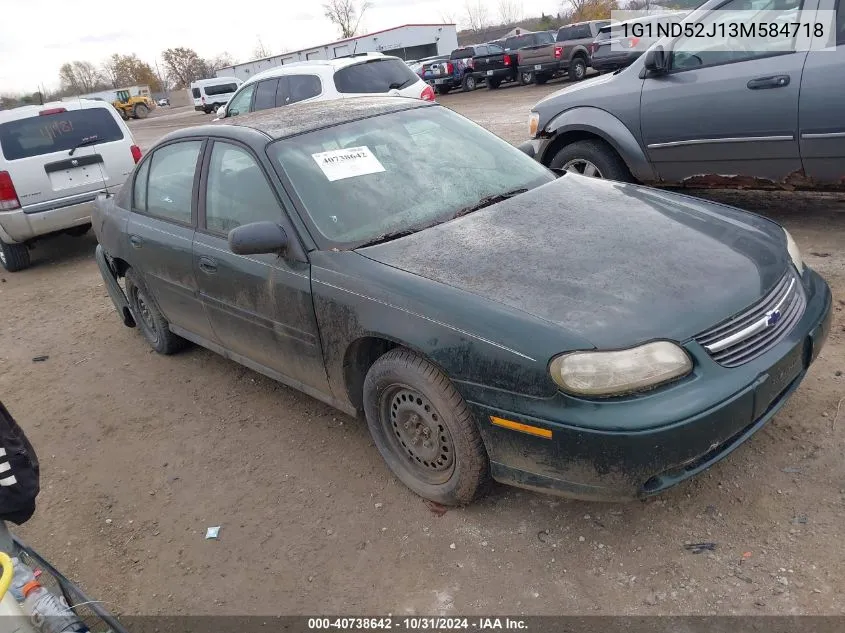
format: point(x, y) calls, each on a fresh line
point(141, 453)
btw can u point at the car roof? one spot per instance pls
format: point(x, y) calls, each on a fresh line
point(306, 116)
point(27, 111)
point(213, 80)
point(331, 65)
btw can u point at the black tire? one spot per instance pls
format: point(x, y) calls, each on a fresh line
point(154, 327)
point(442, 90)
point(140, 111)
point(14, 257)
point(493, 84)
point(526, 78)
point(469, 84)
point(540, 79)
point(597, 152)
point(577, 69)
point(402, 389)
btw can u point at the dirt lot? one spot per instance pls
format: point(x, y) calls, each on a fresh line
point(142, 452)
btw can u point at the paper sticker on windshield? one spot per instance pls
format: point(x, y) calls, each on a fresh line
point(347, 163)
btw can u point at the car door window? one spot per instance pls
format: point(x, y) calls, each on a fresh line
point(302, 87)
point(139, 195)
point(265, 95)
point(171, 181)
point(722, 48)
point(240, 102)
point(238, 191)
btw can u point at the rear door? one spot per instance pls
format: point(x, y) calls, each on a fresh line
point(822, 108)
point(161, 231)
point(45, 173)
point(259, 306)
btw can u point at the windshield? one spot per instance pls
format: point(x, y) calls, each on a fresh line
point(402, 171)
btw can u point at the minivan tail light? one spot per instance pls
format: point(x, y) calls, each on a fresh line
point(136, 153)
point(8, 196)
point(50, 111)
point(427, 93)
point(559, 51)
point(507, 60)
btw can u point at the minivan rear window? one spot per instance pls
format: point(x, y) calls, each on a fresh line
point(220, 89)
point(376, 76)
point(58, 132)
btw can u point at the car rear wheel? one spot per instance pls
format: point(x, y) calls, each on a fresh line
point(469, 83)
point(141, 111)
point(577, 69)
point(526, 78)
point(151, 322)
point(595, 159)
point(423, 428)
point(14, 257)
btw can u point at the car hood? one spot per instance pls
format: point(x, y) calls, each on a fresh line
point(586, 84)
point(616, 264)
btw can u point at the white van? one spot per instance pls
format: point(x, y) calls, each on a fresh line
point(210, 94)
point(54, 161)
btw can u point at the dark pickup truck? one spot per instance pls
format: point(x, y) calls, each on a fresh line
point(570, 53)
point(467, 66)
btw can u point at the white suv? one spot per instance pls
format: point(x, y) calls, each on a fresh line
point(358, 75)
point(54, 160)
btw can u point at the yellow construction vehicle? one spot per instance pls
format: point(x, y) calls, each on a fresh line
point(132, 107)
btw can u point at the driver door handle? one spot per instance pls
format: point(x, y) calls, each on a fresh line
point(775, 81)
point(208, 265)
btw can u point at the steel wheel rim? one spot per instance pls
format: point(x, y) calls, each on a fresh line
point(580, 70)
point(584, 167)
point(470, 83)
point(526, 78)
point(2, 256)
point(145, 314)
point(417, 433)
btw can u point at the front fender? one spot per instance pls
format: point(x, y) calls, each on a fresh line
point(610, 129)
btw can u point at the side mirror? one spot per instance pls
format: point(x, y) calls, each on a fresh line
point(656, 60)
point(258, 238)
point(221, 112)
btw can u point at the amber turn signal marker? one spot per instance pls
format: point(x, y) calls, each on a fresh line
point(522, 428)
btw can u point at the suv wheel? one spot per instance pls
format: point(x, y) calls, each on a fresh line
point(423, 428)
point(151, 322)
point(595, 159)
point(14, 257)
point(577, 69)
point(469, 83)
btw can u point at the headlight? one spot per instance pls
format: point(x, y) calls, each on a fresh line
point(533, 123)
point(620, 372)
point(794, 252)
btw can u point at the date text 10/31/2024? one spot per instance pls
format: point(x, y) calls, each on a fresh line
point(418, 623)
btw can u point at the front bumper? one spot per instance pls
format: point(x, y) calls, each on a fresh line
point(696, 423)
point(18, 226)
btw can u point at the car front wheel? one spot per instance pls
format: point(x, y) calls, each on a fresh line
point(151, 322)
point(595, 159)
point(423, 428)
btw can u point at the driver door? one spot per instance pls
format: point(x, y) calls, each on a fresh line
point(724, 111)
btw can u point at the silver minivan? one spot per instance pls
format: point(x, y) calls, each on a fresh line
point(54, 160)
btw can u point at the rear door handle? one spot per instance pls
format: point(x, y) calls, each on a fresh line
point(136, 241)
point(208, 265)
point(775, 81)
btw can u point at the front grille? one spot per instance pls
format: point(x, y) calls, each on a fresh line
point(753, 332)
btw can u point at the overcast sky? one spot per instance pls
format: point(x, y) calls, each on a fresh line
point(38, 36)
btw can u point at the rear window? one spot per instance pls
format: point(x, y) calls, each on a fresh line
point(196, 93)
point(57, 132)
point(515, 43)
point(376, 76)
point(220, 89)
point(462, 53)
